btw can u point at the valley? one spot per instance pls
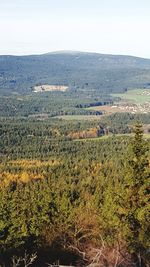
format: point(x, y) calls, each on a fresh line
point(74, 160)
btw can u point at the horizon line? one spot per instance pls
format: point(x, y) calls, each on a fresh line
point(73, 52)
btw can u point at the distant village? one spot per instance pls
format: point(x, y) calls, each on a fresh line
point(133, 108)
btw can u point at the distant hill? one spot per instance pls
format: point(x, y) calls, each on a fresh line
point(78, 70)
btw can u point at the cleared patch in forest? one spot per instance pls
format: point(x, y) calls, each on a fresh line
point(51, 88)
point(79, 117)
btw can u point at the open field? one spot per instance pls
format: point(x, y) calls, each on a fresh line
point(50, 88)
point(137, 96)
point(107, 109)
point(93, 139)
point(133, 101)
point(79, 117)
point(146, 136)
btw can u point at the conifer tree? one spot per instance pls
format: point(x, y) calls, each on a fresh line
point(136, 219)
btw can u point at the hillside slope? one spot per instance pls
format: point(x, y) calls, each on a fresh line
point(106, 73)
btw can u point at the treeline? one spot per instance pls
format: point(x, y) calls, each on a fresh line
point(39, 139)
point(123, 122)
point(89, 133)
point(99, 103)
point(32, 138)
point(51, 103)
point(126, 118)
point(21, 135)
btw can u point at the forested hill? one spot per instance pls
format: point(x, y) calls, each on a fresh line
point(106, 73)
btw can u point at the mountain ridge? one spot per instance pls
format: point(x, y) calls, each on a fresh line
point(78, 70)
point(74, 52)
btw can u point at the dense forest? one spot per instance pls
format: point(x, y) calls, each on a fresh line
point(74, 180)
point(73, 201)
point(52, 104)
point(105, 73)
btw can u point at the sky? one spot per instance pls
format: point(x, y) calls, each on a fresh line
point(102, 26)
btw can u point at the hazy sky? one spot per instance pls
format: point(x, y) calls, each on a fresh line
point(104, 26)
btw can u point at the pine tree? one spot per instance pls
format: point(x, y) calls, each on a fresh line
point(136, 219)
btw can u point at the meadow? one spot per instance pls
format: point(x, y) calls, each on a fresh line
point(136, 96)
point(134, 101)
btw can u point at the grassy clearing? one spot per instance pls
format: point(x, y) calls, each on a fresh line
point(134, 101)
point(107, 110)
point(94, 138)
point(137, 96)
point(79, 117)
point(146, 136)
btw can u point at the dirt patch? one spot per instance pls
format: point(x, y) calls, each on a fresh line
point(47, 87)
